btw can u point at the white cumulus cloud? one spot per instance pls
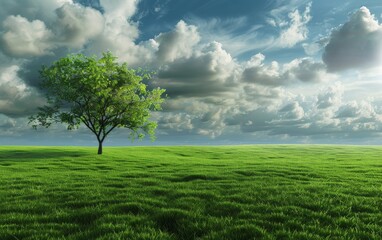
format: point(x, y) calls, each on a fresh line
point(76, 25)
point(178, 43)
point(23, 38)
point(297, 30)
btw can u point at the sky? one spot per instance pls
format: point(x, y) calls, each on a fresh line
point(236, 72)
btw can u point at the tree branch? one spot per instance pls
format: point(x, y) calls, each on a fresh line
point(109, 131)
point(85, 121)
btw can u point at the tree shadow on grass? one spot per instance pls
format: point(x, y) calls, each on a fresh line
point(32, 154)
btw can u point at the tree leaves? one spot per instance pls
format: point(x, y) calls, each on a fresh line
point(99, 93)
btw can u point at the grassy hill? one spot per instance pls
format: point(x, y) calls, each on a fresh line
point(228, 192)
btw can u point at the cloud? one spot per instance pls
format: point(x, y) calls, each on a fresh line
point(42, 10)
point(9, 127)
point(332, 97)
point(209, 72)
point(120, 35)
point(296, 30)
point(237, 35)
point(194, 116)
point(257, 95)
point(76, 25)
point(316, 46)
point(16, 98)
point(32, 37)
point(350, 110)
point(359, 118)
point(306, 70)
point(178, 122)
point(119, 8)
point(293, 28)
point(322, 116)
point(211, 93)
point(7, 123)
point(23, 38)
point(259, 73)
point(73, 26)
point(356, 44)
point(178, 43)
point(292, 110)
point(274, 74)
point(258, 120)
point(353, 109)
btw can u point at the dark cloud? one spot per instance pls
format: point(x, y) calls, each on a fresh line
point(16, 98)
point(356, 44)
point(349, 110)
point(292, 110)
point(7, 124)
point(209, 72)
point(306, 70)
point(274, 74)
point(253, 121)
point(29, 70)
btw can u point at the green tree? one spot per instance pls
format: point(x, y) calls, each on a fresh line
point(100, 93)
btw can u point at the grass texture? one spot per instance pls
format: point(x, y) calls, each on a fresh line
point(226, 192)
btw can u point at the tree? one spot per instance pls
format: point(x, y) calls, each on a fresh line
point(100, 93)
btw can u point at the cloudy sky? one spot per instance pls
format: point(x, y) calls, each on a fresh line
point(236, 72)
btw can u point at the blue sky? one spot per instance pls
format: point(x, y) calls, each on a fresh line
point(235, 71)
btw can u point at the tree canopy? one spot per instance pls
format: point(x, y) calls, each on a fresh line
point(100, 93)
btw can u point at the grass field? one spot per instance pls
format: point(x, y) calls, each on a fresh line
point(230, 192)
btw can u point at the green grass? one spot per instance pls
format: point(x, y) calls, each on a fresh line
point(230, 192)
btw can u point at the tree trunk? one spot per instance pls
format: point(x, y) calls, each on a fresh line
point(99, 147)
